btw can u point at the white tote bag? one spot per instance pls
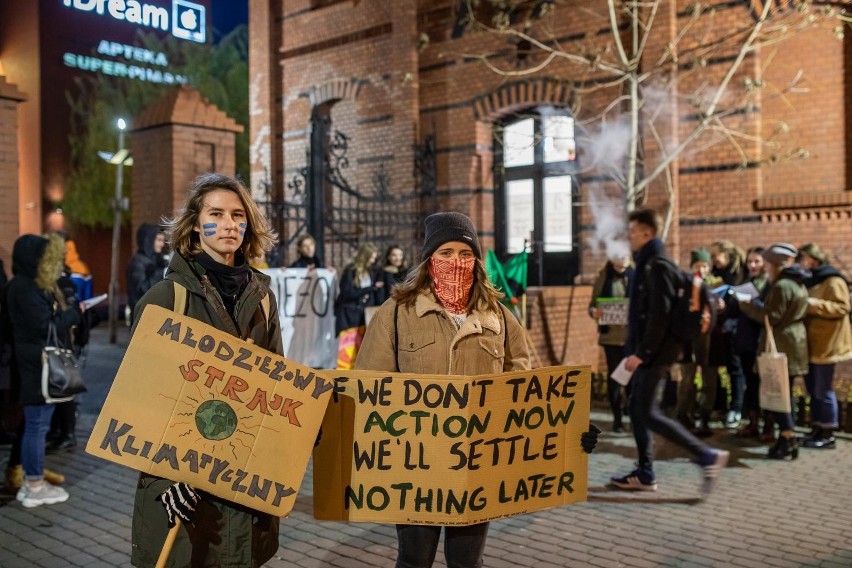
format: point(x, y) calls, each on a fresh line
point(774, 376)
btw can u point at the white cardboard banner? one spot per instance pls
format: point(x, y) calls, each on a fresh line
point(306, 310)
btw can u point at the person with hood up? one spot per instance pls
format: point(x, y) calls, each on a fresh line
point(34, 301)
point(147, 266)
point(829, 341)
point(217, 231)
point(785, 302)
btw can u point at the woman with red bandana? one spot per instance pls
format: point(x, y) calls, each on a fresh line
point(449, 321)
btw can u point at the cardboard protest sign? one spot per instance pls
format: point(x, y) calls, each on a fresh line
point(452, 450)
point(613, 311)
point(306, 312)
point(193, 404)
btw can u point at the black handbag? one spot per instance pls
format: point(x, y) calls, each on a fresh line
point(60, 375)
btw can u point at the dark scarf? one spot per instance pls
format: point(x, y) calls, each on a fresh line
point(606, 290)
point(796, 273)
point(729, 275)
point(229, 281)
point(822, 273)
point(612, 274)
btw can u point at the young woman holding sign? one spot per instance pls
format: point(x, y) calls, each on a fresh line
point(209, 279)
point(449, 321)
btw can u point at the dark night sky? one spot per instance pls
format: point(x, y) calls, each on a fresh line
point(228, 14)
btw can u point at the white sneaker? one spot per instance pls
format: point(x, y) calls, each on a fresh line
point(44, 494)
point(22, 492)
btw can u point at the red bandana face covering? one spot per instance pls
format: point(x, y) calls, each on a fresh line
point(452, 280)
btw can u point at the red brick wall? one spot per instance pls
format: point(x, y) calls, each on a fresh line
point(401, 88)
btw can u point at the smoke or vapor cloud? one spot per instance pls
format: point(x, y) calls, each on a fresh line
point(609, 228)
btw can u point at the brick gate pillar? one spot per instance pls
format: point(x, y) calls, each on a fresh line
point(10, 226)
point(179, 137)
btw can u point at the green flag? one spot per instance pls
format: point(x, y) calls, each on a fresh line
point(509, 277)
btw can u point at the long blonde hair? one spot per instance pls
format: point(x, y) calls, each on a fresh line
point(483, 295)
point(361, 262)
point(259, 236)
point(736, 255)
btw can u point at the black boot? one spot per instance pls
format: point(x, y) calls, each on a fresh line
point(821, 439)
point(814, 433)
point(784, 449)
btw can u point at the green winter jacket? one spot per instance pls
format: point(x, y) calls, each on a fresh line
point(786, 304)
point(224, 534)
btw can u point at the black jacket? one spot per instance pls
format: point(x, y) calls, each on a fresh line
point(146, 267)
point(31, 309)
point(304, 262)
point(352, 299)
point(652, 295)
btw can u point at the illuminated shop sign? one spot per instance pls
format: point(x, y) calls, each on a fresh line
point(133, 63)
point(187, 20)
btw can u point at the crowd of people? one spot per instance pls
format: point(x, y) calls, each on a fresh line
point(384, 310)
point(793, 293)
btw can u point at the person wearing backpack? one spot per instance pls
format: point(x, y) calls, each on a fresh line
point(829, 341)
point(446, 318)
point(652, 348)
point(209, 279)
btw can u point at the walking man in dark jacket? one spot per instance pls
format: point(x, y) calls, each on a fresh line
point(652, 349)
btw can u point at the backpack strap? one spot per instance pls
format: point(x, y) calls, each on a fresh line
point(264, 308)
point(179, 305)
point(396, 335)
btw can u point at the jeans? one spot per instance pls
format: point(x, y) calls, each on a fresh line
point(463, 546)
point(36, 425)
point(646, 417)
point(823, 398)
point(734, 364)
point(785, 420)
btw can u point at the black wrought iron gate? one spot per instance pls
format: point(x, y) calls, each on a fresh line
point(320, 201)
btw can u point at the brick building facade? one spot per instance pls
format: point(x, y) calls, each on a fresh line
point(400, 77)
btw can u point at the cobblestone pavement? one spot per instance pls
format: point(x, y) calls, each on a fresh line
point(763, 513)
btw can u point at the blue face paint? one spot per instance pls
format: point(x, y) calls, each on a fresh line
point(243, 229)
point(209, 226)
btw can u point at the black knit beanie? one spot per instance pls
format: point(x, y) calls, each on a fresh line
point(449, 227)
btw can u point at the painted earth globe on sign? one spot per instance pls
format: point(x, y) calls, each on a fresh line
point(215, 420)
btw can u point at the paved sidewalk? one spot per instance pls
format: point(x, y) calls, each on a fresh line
point(763, 514)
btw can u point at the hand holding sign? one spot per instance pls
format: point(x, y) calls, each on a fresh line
point(199, 406)
point(612, 311)
point(453, 450)
point(179, 501)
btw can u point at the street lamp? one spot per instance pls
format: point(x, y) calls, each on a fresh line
point(119, 204)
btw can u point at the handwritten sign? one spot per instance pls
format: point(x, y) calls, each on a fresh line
point(193, 404)
point(613, 311)
point(452, 450)
point(306, 312)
